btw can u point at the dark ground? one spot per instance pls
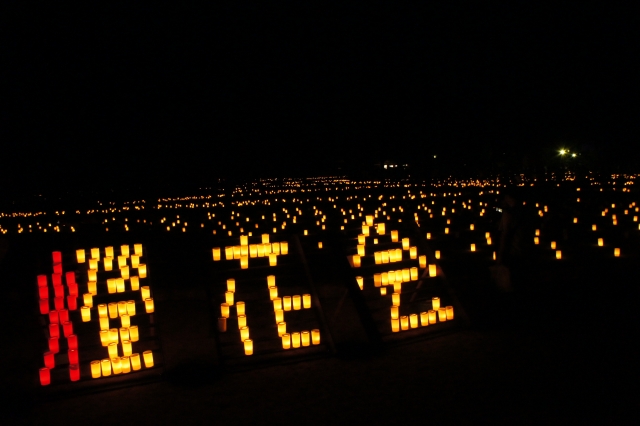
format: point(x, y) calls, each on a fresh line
point(562, 349)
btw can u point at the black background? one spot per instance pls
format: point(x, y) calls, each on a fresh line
point(107, 96)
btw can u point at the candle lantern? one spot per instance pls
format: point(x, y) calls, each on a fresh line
point(240, 308)
point(244, 333)
point(133, 333)
point(72, 355)
point(248, 347)
point(49, 360)
point(616, 252)
point(384, 278)
point(473, 247)
point(432, 317)
point(135, 283)
point(449, 310)
point(600, 242)
point(92, 288)
point(360, 282)
point(362, 239)
point(43, 293)
point(145, 292)
point(297, 302)
point(397, 287)
point(405, 244)
point(553, 245)
point(413, 252)
point(365, 230)
point(360, 248)
point(104, 337)
point(286, 341)
point(404, 322)
point(124, 272)
point(131, 308)
point(95, 369)
point(242, 321)
point(56, 279)
point(435, 302)
point(286, 303)
point(95, 253)
point(58, 291)
point(54, 330)
point(87, 300)
point(113, 335)
point(216, 253)
point(125, 365)
point(395, 299)
point(124, 334)
point(45, 376)
point(377, 280)
point(273, 292)
point(80, 255)
point(356, 261)
point(54, 345)
point(122, 308)
point(273, 259)
point(106, 367)
point(437, 254)
point(124, 250)
point(279, 315)
point(125, 321)
point(137, 249)
point(58, 302)
point(148, 305)
point(116, 365)
point(222, 324)
point(113, 310)
point(284, 247)
point(424, 319)
point(244, 262)
point(148, 359)
point(305, 338)
point(228, 252)
point(54, 317)
point(142, 270)
point(432, 270)
point(395, 312)
point(282, 328)
point(67, 328)
point(113, 349)
point(377, 257)
point(92, 274)
point(44, 306)
point(442, 314)
point(413, 320)
point(295, 339)
point(277, 303)
point(271, 280)
point(536, 240)
point(394, 236)
point(93, 264)
point(406, 275)
point(135, 361)
point(306, 301)
point(315, 336)
point(63, 314)
point(413, 273)
point(558, 254)
point(395, 325)
point(231, 284)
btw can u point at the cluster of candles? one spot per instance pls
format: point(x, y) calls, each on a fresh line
point(60, 325)
point(225, 312)
point(396, 278)
point(117, 340)
point(406, 322)
point(244, 251)
point(280, 304)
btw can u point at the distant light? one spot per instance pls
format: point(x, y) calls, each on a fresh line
point(563, 152)
point(573, 155)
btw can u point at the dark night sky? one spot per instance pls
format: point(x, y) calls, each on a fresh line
point(160, 94)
